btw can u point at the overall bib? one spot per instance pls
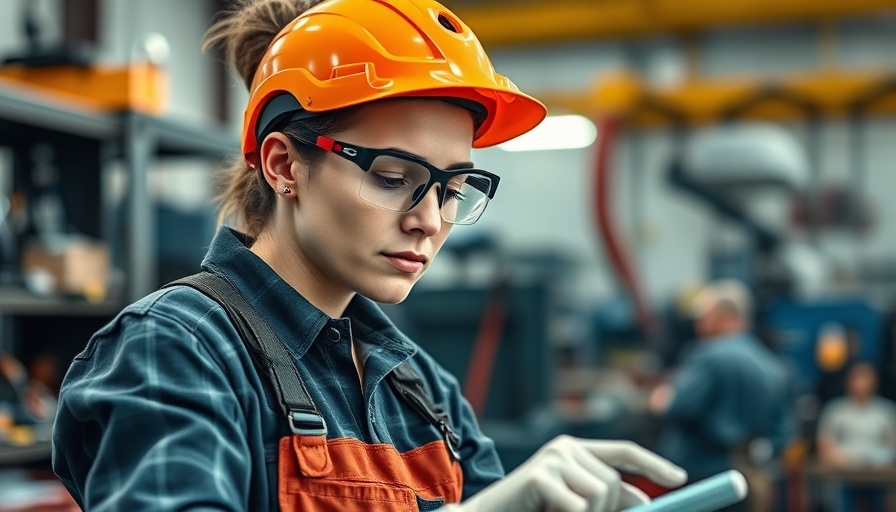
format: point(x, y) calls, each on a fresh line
point(343, 474)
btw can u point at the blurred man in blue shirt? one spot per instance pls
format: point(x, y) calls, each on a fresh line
point(731, 392)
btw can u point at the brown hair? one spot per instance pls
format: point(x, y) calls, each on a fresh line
point(242, 34)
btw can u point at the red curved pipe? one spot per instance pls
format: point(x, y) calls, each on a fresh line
point(608, 131)
point(485, 349)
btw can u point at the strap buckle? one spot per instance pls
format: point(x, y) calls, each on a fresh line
point(307, 423)
point(451, 439)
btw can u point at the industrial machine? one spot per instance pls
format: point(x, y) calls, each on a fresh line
point(724, 169)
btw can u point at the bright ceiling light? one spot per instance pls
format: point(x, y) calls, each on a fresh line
point(555, 132)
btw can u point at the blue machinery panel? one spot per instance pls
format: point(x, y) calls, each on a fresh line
point(796, 328)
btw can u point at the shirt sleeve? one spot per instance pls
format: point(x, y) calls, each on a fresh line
point(693, 387)
point(148, 421)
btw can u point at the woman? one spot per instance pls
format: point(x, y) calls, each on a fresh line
point(356, 141)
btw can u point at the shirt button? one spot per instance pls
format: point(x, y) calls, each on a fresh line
point(334, 335)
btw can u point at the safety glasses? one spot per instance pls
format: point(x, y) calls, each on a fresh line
point(397, 181)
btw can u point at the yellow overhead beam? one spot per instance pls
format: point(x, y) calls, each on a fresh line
point(515, 22)
point(824, 94)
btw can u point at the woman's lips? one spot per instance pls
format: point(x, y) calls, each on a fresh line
point(406, 262)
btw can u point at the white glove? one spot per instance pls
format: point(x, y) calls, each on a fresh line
point(575, 475)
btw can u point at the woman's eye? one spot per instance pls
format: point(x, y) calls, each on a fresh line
point(389, 181)
point(455, 195)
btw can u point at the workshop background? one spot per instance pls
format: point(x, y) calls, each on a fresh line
point(688, 141)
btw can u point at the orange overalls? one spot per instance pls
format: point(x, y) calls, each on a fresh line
point(345, 474)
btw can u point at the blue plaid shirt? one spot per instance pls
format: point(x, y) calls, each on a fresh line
point(163, 410)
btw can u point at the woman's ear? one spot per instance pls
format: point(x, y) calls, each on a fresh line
point(277, 159)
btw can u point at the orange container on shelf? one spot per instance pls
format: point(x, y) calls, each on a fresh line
point(140, 87)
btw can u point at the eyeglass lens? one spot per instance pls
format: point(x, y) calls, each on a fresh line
point(396, 184)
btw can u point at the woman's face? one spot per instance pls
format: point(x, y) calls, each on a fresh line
point(354, 246)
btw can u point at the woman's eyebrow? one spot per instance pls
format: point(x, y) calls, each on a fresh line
point(460, 165)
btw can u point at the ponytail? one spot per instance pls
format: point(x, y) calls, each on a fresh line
point(241, 35)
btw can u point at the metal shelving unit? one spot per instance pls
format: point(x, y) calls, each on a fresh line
point(94, 138)
point(85, 141)
point(28, 109)
point(10, 454)
point(15, 301)
point(146, 138)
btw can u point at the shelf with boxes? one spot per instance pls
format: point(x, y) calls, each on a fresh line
point(83, 141)
point(108, 254)
point(17, 301)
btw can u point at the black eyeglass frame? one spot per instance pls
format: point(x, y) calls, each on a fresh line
point(363, 157)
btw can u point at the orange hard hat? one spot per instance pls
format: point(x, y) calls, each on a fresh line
point(342, 53)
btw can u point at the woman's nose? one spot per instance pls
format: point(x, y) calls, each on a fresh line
point(425, 217)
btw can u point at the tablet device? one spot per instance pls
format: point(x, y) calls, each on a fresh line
point(707, 495)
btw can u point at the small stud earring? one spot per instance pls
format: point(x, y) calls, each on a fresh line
point(286, 190)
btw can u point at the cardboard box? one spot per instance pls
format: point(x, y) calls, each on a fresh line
point(77, 266)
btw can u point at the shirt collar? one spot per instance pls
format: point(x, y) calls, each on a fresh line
point(288, 312)
point(372, 324)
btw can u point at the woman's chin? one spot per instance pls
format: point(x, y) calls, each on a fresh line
point(391, 294)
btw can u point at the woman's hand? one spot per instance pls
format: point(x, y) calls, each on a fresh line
point(576, 475)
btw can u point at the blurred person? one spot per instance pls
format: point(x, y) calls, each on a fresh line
point(356, 145)
point(858, 431)
point(729, 405)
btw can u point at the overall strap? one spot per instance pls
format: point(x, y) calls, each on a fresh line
point(268, 352)
point(275, 364)
point(409, 386)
